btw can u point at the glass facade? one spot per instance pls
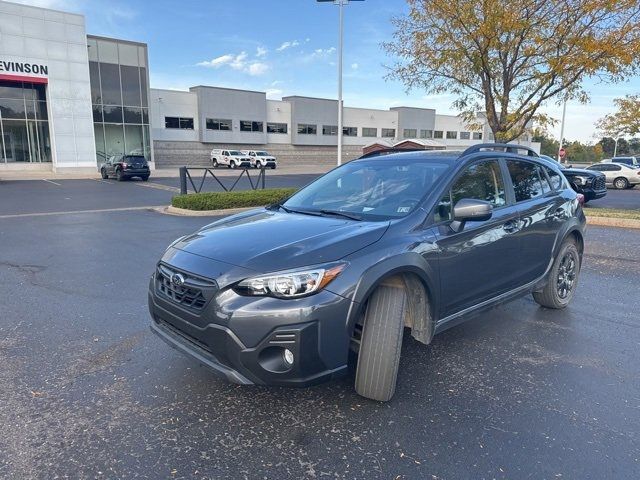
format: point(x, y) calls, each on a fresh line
point(24, 123)
point(120, 98)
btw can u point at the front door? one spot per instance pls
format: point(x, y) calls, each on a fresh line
point(481, 259)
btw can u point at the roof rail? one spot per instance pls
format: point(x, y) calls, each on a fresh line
point(506, 147)
point(390, 150)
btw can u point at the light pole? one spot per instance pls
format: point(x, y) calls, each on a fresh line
point(341, 4)
point(564, 113)
point(615, 148)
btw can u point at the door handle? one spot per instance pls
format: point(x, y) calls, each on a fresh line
point(511, 226)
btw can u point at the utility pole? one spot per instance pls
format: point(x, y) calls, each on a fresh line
point(564, 113)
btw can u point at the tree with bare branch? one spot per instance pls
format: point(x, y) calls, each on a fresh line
point(508, 59)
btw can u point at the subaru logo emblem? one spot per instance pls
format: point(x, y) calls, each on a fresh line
point(177, 279)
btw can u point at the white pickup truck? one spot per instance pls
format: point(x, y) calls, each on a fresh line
point(230, 158)
point(261, 159)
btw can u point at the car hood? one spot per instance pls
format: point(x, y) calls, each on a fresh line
point(267, 241)
point(581, 171)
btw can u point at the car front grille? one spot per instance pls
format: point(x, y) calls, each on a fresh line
point(194, 292)
point(599, 183)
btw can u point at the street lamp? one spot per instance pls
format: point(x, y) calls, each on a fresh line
point(615, 149)
point(341, 4)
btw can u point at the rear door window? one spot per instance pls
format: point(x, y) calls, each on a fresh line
point(527, 183)
point(554, 178)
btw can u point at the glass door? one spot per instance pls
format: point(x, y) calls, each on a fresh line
point(32, 139)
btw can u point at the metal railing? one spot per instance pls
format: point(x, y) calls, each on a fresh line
point(185, 176)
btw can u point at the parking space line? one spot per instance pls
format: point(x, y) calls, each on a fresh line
point(159, 186)
point(101, 180)
point(49, 181)
point(73, 212)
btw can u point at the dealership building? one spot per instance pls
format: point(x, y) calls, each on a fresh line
point(69, 100)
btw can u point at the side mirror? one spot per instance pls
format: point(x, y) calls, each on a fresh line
point(469, 209)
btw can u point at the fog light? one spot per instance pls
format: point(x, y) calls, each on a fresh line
point(288, 356)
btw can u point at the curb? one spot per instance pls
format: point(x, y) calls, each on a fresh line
point(613, 222)
point(183, 212)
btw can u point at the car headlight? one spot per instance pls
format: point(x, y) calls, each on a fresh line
point(290, 283)
point(581, 180)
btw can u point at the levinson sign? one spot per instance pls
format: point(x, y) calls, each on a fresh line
point(22, 67)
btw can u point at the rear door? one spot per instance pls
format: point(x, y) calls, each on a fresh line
point(480, 261)
point(542, 211)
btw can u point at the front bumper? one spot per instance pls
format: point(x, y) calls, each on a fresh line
point(243, 338)
point(591, 194)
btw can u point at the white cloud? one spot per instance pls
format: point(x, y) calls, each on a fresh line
point(285, 45)
point(238, 62)
point(354, 66)
point(257, 68)
point(261, 52)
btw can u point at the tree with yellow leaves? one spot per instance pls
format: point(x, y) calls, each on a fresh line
point(509, 58)
point(625, 121)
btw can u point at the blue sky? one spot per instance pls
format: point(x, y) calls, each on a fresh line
point(285, 47)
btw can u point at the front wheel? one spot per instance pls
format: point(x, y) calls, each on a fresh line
point(103, 173)
point(563, 278)
point(145, 178)
point(379, 355)
point(119, 175)
point(621, 183)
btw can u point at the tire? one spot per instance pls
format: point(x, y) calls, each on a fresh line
point(379, 355)
point(273, 167)
point(104, 174)
point(119, 176)
point(621, 183)
point(215, 163)
point(554, 295)
point(145, 178)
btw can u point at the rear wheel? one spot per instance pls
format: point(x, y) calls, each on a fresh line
point(563, 278)
point(103, 173)
point(145, 178)
point(215, 163)
point(621, 183)
point(381, 342)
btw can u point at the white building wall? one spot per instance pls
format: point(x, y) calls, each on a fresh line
point(279, 112)
point(57, 40)
point(369, 118)
point(173, 103)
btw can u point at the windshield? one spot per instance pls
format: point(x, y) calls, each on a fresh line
point(236, 152)
point(135, 159)
point(376, 189)
point(262, 154)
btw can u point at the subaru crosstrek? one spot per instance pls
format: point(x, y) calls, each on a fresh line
point(281, 295)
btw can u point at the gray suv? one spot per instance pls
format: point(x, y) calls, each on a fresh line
point(281, 295)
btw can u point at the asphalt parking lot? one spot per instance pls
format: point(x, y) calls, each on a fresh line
point(89, 392)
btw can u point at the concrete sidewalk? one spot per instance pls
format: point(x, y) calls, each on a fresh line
point(163, 172)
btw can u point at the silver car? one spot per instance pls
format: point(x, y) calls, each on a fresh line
point(618, 175)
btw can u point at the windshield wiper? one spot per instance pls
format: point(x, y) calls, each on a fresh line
point(338, 213)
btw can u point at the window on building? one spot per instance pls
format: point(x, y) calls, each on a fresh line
point(250, 126)
point(437, 134)
point(181, 123)
point(330, 130)
point(426, 133)
point(477, 135)
point(410, 133)
point(388, 133)
point(307, 129)
point(277, 128)
point(218, 124)
point(452, 135)
point(350, 131)
point(465, 135)
point(369, 132)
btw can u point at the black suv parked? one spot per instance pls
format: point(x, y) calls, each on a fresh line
point(280, 295)
point(591, 184)
point(125, 166)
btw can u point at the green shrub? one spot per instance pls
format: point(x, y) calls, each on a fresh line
point(223, 200)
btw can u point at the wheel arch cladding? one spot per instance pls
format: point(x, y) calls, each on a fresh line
point(416, 278)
